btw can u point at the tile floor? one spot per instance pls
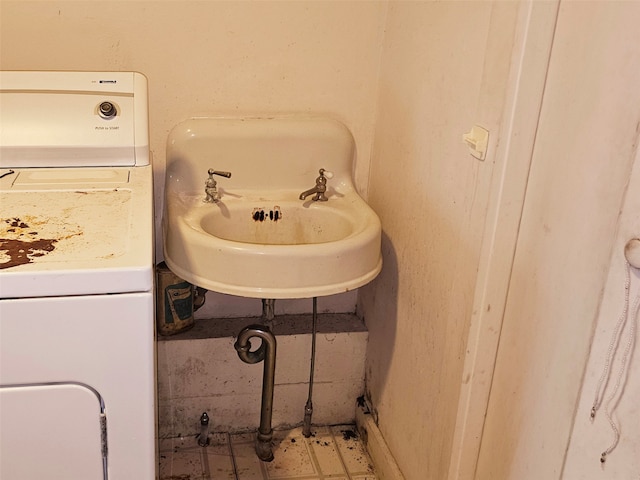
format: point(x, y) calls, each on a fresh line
point(334, 453)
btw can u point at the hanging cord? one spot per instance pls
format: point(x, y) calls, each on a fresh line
point(621, 379)
point(613, 345)
point(623, 375)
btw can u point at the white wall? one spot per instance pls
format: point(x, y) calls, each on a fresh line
point(445, 66)
point(590, 438)
point(215, 58)
point(583, 158)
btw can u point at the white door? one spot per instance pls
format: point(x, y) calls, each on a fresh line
point(51, 431)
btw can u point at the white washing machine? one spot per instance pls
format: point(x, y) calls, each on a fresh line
point(77, 363)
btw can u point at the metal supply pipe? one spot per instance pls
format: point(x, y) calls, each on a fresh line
point(203, 438)
point(308, 408)
point(267, 352)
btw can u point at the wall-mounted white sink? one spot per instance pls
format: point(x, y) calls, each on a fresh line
point(259, 239)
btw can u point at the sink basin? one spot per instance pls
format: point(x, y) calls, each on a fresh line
point(260, 240)
point(288, 223)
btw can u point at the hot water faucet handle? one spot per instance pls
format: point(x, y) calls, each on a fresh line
point(211, 186)
point(218, 172)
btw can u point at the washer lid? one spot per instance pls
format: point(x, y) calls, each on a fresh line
point(76, 232)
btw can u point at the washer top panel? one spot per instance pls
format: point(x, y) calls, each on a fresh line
point(63, 119)
point(75, 231)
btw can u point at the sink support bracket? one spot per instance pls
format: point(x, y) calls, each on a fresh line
point(267, 352)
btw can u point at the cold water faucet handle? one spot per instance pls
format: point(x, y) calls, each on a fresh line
point(320, 188)
point(325, 173)
point(211, 186)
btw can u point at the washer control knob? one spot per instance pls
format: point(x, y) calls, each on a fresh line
point(107, 110)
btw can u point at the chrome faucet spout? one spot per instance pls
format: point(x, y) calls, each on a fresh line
point(311, 191)
point(320, 188)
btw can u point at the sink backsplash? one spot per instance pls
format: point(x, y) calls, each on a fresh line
point(261, 153)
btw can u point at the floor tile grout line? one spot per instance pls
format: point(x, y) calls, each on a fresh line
point(233, 457)
point(308, 477)
point(261, 467)
point(314, 459)
point(344, 464)
point(312, 456)
point(316, 475)
point(205, 473)
point(336, 449)
point(263, 470)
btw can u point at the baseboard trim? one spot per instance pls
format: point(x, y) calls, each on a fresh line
point(385, 465)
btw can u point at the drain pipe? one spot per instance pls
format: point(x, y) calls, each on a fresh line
point(308, 408)
point(199, 297)
point(266, 352)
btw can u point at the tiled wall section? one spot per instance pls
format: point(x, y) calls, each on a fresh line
point(200, 371)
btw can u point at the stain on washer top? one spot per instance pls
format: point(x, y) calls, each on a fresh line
point(20, 244)
point(77, 226)
point(21, 252)
point(21, 241)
